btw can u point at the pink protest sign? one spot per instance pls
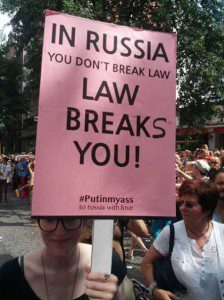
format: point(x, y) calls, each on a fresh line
point(106, 124)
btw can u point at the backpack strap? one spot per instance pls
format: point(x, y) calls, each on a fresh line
point(171, 241)
point(21, 263)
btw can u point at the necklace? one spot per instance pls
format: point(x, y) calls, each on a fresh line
point(198, 235)
point(45, 278)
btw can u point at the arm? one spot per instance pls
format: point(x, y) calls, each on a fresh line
point(147, 271)
point(28, 166)
point(147, 264)
point(182, 174)
point(138, 227)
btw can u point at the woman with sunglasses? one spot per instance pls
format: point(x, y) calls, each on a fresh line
point(58, 271)
point(198, 253)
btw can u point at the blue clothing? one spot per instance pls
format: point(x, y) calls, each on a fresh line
point(158, 225)
point(216, 217)
point(25, 171)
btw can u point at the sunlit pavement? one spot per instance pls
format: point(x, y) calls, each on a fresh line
point(17, 233)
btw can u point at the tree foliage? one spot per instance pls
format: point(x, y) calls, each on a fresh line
point(11, 100)
point(200, 51)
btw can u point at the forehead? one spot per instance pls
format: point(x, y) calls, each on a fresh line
point(219, 177)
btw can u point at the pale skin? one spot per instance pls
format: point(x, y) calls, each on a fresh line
point(61, 255)
point(136, 240)
point(195, 219)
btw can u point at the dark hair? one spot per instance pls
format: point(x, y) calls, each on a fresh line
point(206, 192)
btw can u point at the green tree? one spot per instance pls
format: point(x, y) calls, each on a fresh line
point(12, 103)
point(200, 50)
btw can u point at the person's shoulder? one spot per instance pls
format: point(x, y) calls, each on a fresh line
point(179, 224)
point(218, 230)
point(9, 264)
point(9, 268)
point(215, 223)
point(179, 228)
point(218, 225)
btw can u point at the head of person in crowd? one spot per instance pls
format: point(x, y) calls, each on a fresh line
point(188, 152)
point(197, 200)
point(215, 162)
point(185, 157)
point(200, 169)
point(217, 153)
point(202, 153)
point(205, 146)
point(22, 158)
point(4, 159)
point(219, 182)
point(183, 154)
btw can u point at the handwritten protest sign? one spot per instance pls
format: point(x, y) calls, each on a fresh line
point(106, 124)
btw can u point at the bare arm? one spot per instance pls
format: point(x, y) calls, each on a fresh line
point(147, 264)
point(147, 271)
point(182, 174)
point(28, 166)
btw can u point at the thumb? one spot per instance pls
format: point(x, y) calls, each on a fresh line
point(88, 269)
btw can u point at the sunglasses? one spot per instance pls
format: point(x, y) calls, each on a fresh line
point(220, 183)
point(188, 204)
point(49, 225)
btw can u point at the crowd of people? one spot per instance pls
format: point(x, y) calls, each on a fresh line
point(185, 261)
point(17, 171)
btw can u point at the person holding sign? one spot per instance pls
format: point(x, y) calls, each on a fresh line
point(198, 254)
point(58, 270)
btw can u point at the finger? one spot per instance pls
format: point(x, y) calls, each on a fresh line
point(99, 276)
point(98, 294)
point(101, 286)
